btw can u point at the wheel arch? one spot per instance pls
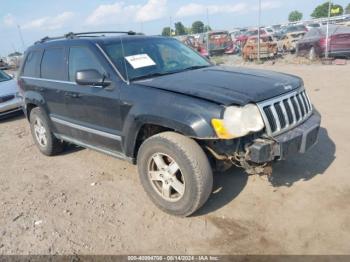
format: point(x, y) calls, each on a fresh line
point(32, 100)
point(149, 126)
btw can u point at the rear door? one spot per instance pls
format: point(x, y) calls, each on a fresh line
point(340, 43)
point(54, 85)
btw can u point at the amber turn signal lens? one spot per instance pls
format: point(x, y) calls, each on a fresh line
point(220, 129)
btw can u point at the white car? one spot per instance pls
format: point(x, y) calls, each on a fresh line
point(313, 25)
point(10, 101)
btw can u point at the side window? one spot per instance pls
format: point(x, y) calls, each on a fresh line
point(81, 58)
point(53, 64)
point(32, 64)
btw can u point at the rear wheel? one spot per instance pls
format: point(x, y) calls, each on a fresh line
point(47, 143)
point(175, 173)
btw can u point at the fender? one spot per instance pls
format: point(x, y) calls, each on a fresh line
point(185, 114)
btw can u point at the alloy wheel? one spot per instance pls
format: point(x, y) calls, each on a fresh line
point(40, 132)
point(166, 177)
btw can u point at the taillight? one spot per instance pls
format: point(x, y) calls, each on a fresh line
point(323, 42)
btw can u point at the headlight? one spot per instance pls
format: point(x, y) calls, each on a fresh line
point(238, 122)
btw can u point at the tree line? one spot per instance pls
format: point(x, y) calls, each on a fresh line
point(321, 11)
point(196, 28)
point(294, 16)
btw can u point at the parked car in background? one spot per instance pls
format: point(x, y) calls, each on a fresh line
point(290, 29)
point(288, 42)
point(4, 65)
point(268, 48)
point(242, 39)
point(270, 31)
point(314, 42)
point(220, 42)
point(276, 27)
point(188, 40)
point(313, 25)
point(10, 101)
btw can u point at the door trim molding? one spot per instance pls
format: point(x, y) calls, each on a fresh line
point(99, 149)
point(86, 129)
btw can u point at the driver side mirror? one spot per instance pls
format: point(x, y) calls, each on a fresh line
point(91, 77)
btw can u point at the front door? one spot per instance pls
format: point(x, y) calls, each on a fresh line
point(95, 110)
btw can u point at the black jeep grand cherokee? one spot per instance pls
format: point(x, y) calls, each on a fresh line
point(155, 102)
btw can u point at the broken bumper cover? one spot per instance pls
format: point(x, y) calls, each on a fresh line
point(296, 141)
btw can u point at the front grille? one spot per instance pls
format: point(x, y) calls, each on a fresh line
point(285, 112)
point(4, 99)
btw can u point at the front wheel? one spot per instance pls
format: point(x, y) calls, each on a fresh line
point(175, 173)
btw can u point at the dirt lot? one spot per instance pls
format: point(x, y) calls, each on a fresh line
point(88, 203)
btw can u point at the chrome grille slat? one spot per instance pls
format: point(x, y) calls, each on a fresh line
point(294, 98)
point(301, 105)
point(275, 115)
point(306, 101)
point(282, 113)
point(292, 109)
point(309, 101)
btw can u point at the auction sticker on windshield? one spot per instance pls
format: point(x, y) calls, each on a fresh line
point(139, 61)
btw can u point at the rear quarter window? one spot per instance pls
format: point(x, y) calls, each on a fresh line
point(32, 64)
point(53, 64)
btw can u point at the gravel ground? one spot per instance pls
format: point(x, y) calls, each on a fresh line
point(88, 203)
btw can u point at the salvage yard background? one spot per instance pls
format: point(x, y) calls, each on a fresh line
point(88, 203)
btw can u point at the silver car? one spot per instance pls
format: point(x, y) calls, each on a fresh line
point(10, 101)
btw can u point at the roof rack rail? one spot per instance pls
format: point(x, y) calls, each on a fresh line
point(106, 32)
point(72, 35)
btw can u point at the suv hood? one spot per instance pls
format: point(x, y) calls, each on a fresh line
point(226, 85)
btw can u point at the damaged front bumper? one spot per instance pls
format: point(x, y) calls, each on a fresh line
point(255, 152)
point(295, 141)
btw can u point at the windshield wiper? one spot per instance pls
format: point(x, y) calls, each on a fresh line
point(194, 67)
point(150, 75)
point(169, 73)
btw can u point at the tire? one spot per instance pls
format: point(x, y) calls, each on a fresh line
point(39, 121)
point(312, 54)
point(194, 173)
point(284, 49)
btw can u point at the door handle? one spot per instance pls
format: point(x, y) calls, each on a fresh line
point(72, 94)
point(75, 95)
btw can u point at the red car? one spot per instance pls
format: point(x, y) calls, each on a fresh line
point(220, 42)
point(242, 39)
point(314, 43)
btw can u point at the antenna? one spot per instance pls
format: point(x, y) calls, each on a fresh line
point(21, 37)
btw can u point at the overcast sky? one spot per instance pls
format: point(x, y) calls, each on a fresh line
point(39, 18)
